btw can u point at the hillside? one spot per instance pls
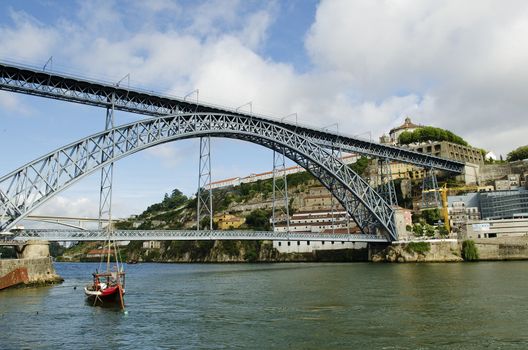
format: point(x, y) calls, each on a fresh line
point(250, 201)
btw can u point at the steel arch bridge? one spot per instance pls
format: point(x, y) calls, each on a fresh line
point(64, 87)
point(28, 187)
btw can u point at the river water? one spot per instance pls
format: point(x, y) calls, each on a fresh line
point(284, 306)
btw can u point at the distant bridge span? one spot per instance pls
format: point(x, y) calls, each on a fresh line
point(69, 88)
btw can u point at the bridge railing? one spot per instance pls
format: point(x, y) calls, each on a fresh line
point(170, 235)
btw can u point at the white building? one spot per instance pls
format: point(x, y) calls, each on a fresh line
point(236, 181)
point(151, 245)
point(499, 228)
point(462, 209)
point(317, 222)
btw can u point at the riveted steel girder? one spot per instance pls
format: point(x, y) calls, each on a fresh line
point(186, 235)
point(73, 89)
point(28, 187)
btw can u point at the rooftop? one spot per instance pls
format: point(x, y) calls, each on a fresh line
point(408, 124)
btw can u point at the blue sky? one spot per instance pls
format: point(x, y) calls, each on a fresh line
point(365, 64)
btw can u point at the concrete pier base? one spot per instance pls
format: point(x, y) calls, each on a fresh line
point(33, 249)
point(33, 267)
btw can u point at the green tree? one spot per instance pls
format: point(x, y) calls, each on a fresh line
point(431, 216)
point(469, 251)
point(429, 133)
point(258, 220)
point(418, 230)
point(443, 231)
point(429, 230)
point(518, 154)
point(360, 165)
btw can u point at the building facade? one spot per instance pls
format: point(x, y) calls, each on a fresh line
point(504, 204)
point(228, 221)
point(449, 150)
point(498, 228)
point(395, 133)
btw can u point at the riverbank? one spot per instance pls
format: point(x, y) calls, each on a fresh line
point(435, 250)
point(27, 272)
point(451, 250)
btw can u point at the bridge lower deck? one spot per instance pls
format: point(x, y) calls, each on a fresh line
point(188, 235)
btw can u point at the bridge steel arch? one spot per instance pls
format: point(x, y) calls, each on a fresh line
point(28, 187)
point(69, 88)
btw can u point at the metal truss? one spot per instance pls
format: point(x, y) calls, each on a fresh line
point(107, 174)
point(280, 192)
point(386, 186)
point(430, 192)
point(74, 89)
point(28, 187)
point(168, 235)
point(204, 195)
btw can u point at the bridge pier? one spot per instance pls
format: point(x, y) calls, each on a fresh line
point(33, 250)
point(32, 268)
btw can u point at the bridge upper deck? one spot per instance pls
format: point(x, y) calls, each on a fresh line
point(81, 90)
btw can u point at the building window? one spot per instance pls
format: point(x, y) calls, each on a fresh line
point(298, 242)
point(280, 243)
point(307, 242)
point(332, 242)
point(322, 242)
point(289, 243)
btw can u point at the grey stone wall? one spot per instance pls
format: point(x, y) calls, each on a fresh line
point(40, 270)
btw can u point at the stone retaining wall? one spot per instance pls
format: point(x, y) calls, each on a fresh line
point(40, 270)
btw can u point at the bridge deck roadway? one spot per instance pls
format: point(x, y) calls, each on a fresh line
point(187, 235)
point(17, 78)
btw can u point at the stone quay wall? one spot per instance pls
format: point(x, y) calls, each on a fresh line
point(39, 270)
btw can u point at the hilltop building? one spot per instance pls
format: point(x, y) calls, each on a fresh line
point(449, 150)
point(395, 133)
point(236, 181)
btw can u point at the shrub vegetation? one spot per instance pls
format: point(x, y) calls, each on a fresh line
point(418, 247)
point(469, 251)
point(518, 154)
point(429, 133)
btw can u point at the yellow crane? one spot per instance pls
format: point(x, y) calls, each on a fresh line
point(443, 195)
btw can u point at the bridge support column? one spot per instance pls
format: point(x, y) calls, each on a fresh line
point(430, 193)
point(33, 249)
point(386, 185)
point(107, 172)
point(204, 196)
point(280, 192)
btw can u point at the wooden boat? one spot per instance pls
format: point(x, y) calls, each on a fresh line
point(108, 286)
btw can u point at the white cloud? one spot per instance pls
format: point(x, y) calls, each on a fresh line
point(169, 154)
point(65, 206)
point(449, 64)
point(27, 39)
point(466, 57)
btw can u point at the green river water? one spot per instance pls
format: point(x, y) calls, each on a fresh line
point(279, 306)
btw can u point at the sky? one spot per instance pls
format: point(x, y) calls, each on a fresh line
point(363, 64)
